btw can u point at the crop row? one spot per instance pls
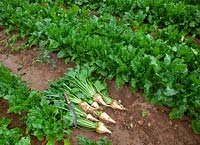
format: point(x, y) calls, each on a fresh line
point(184, 14)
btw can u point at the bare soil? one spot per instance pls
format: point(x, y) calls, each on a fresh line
point(131, 128)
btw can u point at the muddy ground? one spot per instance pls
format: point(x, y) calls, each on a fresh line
point(131, 127)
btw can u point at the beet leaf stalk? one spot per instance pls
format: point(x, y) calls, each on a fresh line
point(91, 110)
point(99, 127)
point(86, 87)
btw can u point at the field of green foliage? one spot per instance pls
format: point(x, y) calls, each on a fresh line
point(147, 44)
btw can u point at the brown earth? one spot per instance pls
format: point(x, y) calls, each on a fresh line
point(131, 128)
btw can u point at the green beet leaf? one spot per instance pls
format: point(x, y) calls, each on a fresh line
point(196, 126)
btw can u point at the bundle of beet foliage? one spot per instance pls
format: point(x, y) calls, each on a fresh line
point(82, 101)
point(48, 117)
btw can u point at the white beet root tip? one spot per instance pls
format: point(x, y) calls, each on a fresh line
point(91, 110)
point(105, 117)
point(96, 105)
point(86, 107)
point(101, 128)
point(90, 117)
point(116, 105)
point(98, 98)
